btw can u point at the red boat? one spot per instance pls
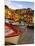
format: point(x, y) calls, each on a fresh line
point(11, 31)
point(12, 34)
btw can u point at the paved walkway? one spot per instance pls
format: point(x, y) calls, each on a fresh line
point(27, 37)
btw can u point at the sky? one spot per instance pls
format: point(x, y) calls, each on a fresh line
point(19, 4)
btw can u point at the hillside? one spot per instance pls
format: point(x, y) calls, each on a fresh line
point(18, 15)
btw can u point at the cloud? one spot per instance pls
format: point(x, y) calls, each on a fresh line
point(18, 4)
point(12, 5)
point(8, 3)
point(23, 0)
